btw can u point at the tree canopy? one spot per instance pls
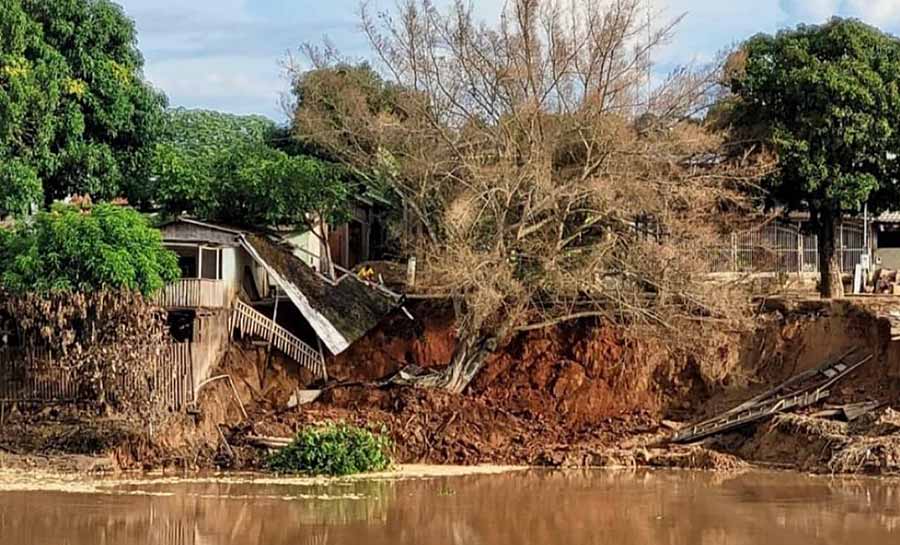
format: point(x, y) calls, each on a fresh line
point(193, 143)
point(74, 248)
point(76, 115)
point(514, 149)
point(236, 169)
point(829, 97)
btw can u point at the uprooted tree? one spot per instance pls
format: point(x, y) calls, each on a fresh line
point(517, 148)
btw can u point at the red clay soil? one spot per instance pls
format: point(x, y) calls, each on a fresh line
point(571, 395)
point(435, 427)
point(580, 394)
point(547, 393)
point(581, 387)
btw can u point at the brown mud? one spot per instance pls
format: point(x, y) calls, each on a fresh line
point(576, 395)
point(585, 395)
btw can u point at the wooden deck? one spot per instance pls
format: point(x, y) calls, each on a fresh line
point(194, 293)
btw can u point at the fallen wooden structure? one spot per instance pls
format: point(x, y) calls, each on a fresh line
point(803, 390)
point(274, 443)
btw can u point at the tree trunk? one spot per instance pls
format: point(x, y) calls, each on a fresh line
point(468, 359)
point(322, 235)
point(831, 283)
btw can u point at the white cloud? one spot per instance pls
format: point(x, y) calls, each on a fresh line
point(224, 53)
point(809, 11)
point(881, 13)
point(884, 14)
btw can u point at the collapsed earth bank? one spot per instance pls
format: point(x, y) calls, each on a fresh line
point(572, 395)
point(586, 394)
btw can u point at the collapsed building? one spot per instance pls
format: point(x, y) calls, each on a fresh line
point(236, 284)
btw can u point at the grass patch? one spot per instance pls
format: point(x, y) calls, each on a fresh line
point(335, 449)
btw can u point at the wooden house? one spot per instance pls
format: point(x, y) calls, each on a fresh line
point(244, 282)
point(350, 244)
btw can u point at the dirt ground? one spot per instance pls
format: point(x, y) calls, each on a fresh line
point(584, 395)
point(574, 395)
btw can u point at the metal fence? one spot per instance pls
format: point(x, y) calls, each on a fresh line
point(780, 248)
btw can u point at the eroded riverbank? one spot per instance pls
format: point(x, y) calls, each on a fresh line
point(579, 396)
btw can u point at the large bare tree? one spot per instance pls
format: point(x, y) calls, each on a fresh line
point(550, 176)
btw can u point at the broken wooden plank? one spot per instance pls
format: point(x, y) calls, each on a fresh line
point(854, 411)
point(269, 442)
point(750, 412)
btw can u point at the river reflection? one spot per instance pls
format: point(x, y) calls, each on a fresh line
point(546, 507)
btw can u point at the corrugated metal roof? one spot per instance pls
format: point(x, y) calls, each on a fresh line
point(888, 217)
point(340, 312)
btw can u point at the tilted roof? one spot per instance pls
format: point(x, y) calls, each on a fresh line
point(340, 312)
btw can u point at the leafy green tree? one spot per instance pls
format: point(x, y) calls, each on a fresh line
point(75, 249)
point(193, 143)
point(75, 111)
point(830, 98)
point(258, 185)
point(20, 187)
point(246, 171)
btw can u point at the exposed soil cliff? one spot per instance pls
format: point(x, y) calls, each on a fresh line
point(580, 394)
point(585, 394)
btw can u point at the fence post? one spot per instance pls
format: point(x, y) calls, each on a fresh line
point(799, 252)
point(816, 242)
point(841, 241)
point(734, 267)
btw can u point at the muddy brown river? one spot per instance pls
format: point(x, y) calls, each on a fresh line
point(541, 507)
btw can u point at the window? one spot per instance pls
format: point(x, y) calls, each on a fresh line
point(198, 261)
point(210, 260)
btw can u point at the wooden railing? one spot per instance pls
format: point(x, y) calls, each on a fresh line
point(194, 293)
point(34, 376)
point(248, 321)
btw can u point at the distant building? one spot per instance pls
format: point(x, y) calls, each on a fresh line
point(886, 240)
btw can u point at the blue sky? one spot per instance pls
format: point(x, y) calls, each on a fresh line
point(226, 54)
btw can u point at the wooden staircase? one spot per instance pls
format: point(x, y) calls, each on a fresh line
point(800, 391)
point(248, 321)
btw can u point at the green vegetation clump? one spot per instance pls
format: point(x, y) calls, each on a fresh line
point(336, 449)
point(84, 249)
point(77, 116)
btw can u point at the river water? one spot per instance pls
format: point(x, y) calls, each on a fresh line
point(541, 507)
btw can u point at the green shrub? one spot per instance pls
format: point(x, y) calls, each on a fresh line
point(85, 248)
point(336, 449)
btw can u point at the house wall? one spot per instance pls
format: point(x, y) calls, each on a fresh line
point(211, 337)
point(307, 247)
point(231, 275)
point(887, 246)
point(889, 258)
point(260, 278)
